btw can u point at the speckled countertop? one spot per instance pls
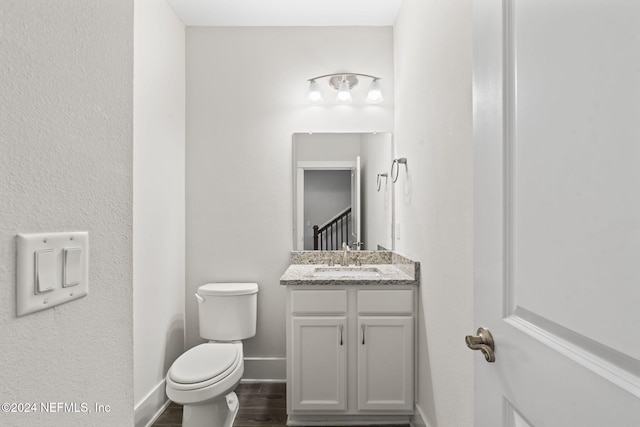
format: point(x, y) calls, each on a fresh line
point(392, 269)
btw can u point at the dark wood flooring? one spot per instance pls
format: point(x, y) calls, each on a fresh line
point(261, 405)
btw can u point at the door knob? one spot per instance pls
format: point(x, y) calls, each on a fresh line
point(483, 342)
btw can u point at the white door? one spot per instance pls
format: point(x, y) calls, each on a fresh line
point(556, 89)
point(319, 367)
point(355, 204)
point(385, 363)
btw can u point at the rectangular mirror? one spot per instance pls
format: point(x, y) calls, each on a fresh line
point(342, 191)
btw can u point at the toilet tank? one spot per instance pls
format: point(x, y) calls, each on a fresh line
point(227, 311)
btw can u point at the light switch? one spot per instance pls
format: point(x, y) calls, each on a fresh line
point(51, 269)
point(71, 266)
point(45, 270)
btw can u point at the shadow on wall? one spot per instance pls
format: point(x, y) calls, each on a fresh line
point(174, 343)
point(174, 347)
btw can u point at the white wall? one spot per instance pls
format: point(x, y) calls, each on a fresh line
point(246, 96)
point(66, 164)
point(341, 147)
point(434, 201)
point(158, 202)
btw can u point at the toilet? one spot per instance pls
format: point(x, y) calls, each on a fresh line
point(203, 378)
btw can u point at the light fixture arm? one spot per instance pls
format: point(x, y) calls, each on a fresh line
point(344, 74)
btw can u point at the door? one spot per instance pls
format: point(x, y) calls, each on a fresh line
point(556, 91)
point(356, 212)
point(385, 363)
point(319, 365)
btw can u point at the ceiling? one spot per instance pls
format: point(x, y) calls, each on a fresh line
point(295, 13)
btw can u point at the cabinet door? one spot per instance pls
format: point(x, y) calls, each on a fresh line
point(319, 363)
point(385, 363)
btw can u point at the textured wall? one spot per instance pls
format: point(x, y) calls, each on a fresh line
point(66, 164)
point(246, 96)
point(434, 200)
point(159, 201)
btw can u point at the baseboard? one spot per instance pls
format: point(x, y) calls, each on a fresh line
point(147, 411)
point(265, 369)
point(419, 419)
point(346, 420)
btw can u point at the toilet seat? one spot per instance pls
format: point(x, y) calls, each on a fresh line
point(204, 365)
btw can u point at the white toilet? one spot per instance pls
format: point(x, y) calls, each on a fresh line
point(203, 378)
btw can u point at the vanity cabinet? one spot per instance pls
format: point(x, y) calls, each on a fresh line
point(320, 363)
point(350, 353)
point(385, 363)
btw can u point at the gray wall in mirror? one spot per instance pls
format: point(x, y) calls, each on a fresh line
point(338, 151)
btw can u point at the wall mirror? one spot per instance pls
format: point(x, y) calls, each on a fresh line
point(342, 191)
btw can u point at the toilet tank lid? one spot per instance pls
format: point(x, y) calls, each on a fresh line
point(228, 289)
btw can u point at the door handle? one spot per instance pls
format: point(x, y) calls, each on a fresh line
point(483, 342)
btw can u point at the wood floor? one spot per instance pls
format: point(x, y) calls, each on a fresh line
point(261, 405)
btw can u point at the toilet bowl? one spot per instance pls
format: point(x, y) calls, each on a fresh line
point(204, 377)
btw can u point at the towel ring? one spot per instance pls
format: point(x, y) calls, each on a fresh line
point(379, 179)
point(395, 165)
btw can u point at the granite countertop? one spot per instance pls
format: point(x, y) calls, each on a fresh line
point(391, 269)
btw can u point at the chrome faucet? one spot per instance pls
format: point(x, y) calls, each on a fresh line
point(345, 254)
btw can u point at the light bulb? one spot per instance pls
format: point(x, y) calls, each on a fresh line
point(344, 94)
point(375, 92)
point(314, 93)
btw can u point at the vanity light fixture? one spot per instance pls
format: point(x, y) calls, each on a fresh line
point(343, 83)
point(375, 92)
point(315, 96)
point(344, 91)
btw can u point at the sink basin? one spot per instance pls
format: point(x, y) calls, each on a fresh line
point(346, 272)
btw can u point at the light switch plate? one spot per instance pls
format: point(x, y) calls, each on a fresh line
point(28, 300)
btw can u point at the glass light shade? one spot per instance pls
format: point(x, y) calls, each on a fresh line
point(314, 93)
point(375, 92)
point(344, 94)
